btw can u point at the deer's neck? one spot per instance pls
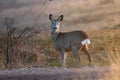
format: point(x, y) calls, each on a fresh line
point(54, 35)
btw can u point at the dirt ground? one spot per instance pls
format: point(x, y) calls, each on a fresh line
point(50, 73)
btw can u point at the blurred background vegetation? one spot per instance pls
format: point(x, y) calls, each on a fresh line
point(25, 31)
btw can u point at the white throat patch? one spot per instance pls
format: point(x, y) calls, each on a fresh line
point(58, 26)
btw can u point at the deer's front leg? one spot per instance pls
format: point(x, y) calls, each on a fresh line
point(63, 57)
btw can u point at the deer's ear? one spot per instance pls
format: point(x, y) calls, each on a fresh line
point(50, 16)
point(60, 18)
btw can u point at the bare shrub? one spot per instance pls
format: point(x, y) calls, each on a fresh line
point(15, 44)
point(13, 41)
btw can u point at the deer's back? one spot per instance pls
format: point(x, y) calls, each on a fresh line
point(69, 39)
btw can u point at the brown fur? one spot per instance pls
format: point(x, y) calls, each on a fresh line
point(68, 41)
point(71, 39)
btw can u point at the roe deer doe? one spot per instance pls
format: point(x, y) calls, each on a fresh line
point(64, 42)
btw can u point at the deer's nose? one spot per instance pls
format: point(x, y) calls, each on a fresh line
point(55, 28)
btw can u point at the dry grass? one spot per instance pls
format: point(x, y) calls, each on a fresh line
point(115, 67)
point(114, 70)
point(82, 14)
point(86, 15)
point(107, 41)
point(39, 51)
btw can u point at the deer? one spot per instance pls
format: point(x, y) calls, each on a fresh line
point(64, 42)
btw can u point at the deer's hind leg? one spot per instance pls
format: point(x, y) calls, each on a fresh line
point(75, 51)
point(88, 54)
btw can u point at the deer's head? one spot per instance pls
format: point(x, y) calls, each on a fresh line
point(55, 23)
